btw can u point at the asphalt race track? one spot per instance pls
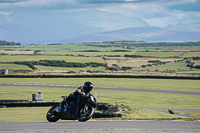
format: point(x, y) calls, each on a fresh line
point(105, 88)
point(103, 126)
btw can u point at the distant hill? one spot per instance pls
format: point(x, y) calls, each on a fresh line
point(195, 26)
point(34, 26)
point(150, 34)
point(108, 21)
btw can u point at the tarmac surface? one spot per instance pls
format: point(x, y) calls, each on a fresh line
point(102, 126)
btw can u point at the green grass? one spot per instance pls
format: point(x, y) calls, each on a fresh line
point(172, 66)
point(83, 53)
point(38, 114)
point(50, 94)
point(14, 67)
point(97, 46)
point(197, 62)
point(151, 54)
point(154, 100)
point(159, 54)
point(157, 84)
point(16, 52)
point(9, 58)
point(135, 62)
point(132, 99)
point(70, 68)
point(192, 54)
point(62, 47)
point(179, 67)
point(20, 114)
point(190, 72)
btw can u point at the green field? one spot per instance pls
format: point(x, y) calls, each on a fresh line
point(180, 66)
point(192, 54)
point(14, 67)
point(77, 53)
point(110, 46)
point(45, 68)
point(158, 84)
point(159, 54)
point(119, 60)
point(8, 58)
point(61, 47)
point(135, 100)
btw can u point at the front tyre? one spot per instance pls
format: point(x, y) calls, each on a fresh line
point(85, 113)
point(51, 115)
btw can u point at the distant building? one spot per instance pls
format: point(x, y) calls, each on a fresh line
point(4, 71)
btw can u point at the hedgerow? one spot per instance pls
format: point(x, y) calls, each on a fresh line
point(58, 63)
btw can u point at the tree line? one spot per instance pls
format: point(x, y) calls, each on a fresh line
point(3, 43)
point(58, 63)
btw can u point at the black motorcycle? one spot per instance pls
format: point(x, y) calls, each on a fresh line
point(81, 109)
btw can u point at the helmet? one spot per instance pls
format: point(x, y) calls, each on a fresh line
point(88, 86)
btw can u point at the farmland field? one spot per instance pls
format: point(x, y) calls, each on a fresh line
point(192, 54)
point(16, 52)
point(60, 47)
point(119, 58)
point(54, 69)
point(135, 62)
point(167, 62)
point(179, 66)
point(9, 58)
point(160, 54)
point(14, 67)
point(80, 53)
point(110, 46)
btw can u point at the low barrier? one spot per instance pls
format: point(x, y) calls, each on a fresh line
point(101, 76)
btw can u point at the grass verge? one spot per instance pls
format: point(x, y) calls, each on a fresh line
point(134, 100)
point(38, 114)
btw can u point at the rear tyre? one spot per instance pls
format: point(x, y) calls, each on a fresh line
point(85, 113)
point(51, 115)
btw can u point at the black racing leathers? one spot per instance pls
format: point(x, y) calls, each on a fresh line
point(80, 91)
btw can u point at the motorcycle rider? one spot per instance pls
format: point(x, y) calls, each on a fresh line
point(82, 90)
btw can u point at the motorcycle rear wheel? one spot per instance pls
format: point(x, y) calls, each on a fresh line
point(85, 114)
point(52, 116)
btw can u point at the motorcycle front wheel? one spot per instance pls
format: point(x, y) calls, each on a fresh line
point(51, 115)
point(85, 113)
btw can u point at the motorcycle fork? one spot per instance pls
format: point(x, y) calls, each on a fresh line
point(85, 109)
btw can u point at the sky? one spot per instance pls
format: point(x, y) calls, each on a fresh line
point(63, 21)
point(159, 13)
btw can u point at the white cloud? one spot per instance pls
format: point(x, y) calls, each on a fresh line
point(6, 13)
point(36, 3)
point(155, 13)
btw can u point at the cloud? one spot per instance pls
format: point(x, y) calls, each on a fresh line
point(105, 1)
point(155, 12)
point(34, 3)
point(9, 1)
point(190, 6)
